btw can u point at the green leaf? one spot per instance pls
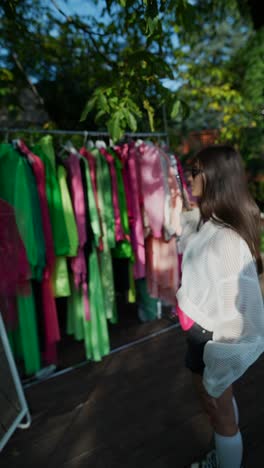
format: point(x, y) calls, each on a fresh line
point(114, 126)
point(176, 108)
point(88, 107)
point(102, 102)
point(131, 121)
point(150, 112)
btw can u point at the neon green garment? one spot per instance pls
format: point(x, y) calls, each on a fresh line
point(94, 332)
point(123, 249)
point(94, 215)
point(46, 143)
point(59, 231)
point(106, 211)
point(28, 333)
point(68, 212)
point(104, 187)
point(132, 286)
point(60, 278)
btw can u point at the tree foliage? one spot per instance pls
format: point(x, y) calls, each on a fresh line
point(110, 70)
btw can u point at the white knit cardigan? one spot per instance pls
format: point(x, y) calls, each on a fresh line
point(221, 292)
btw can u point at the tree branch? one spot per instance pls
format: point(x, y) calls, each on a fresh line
point(80, 25)
point(31, 85)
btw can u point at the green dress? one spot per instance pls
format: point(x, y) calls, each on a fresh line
point(58, 225)
point(94, 332)
point(104, 188)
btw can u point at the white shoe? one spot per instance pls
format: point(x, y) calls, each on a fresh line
point(210, 461)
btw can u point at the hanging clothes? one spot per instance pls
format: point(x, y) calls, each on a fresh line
point(128, 155)
point(95, 331)
point(14, 267)
point(49, 310)
point(123, 249)
point(98, 231)
point(21, 192)
point(60, 237)
point(103, 182)
point(78, 263)
point(162, 206)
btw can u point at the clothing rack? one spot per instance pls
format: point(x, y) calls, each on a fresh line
point(86, 133)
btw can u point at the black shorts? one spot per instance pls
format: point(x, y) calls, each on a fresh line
point(197, 338)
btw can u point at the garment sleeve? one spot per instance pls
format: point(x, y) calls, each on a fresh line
point(238, 338)
point(189, 222)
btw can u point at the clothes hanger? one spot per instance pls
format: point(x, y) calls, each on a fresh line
point(100, 144)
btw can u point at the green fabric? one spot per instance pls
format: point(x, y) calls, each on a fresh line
point(94, 215)
point(46, 144)
point(147, 305)
point(69, 217)
point(58, 225)
point(107, 276)
point(94, 332)
point(105, 259)
point(21, 192)
point(123, 249)
point(37, 221)
point(60, 278)
point(28, 333)
point(104, 187)
point(75, 313)
point(132, 286)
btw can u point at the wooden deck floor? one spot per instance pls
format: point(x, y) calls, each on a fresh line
point(136, 409)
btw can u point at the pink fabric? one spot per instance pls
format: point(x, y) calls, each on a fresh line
point(14, 267)
point(129, 156)
point(152, 187)
point(92, 166)
point(162, 269)
point(119, 233)
point(78, 263)
point(51, 324)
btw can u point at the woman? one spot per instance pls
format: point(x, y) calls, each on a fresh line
point(220, 292)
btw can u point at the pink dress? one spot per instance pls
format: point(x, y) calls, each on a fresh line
point(128, 154)
point(78, 263)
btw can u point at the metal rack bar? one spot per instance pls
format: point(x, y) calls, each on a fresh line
point(80, 132)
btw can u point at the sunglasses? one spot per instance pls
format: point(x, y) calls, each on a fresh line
point(195, 171)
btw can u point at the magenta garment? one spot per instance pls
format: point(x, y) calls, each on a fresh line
point(152, 187)
point(51, 324)
point(14, 266)
point(129, 155)
point(78, 263)
point(119, 233)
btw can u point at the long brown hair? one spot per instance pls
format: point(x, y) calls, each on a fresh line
point(226, 198)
